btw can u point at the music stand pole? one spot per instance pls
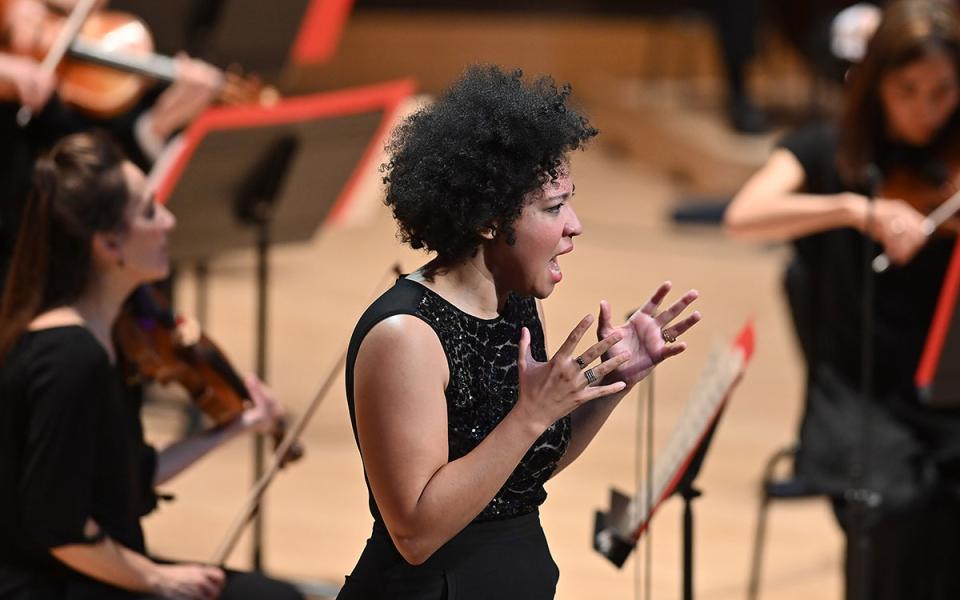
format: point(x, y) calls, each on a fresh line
point(263, 281)
point(861, 498)
point(689, 494)
point(254, 206)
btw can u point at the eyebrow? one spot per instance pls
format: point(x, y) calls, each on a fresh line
point(572, 191)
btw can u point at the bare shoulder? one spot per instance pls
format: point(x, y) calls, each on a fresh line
point(401, 347)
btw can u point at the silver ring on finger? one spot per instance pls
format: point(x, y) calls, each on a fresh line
point(580, 362)
point(590, 375)
point(667, 337)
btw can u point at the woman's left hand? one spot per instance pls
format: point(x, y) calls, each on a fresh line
point(647, 336)
point(261, 416)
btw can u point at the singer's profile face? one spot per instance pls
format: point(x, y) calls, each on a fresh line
point(919, 98)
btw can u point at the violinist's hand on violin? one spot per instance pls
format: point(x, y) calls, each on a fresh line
point(646, 333)
point(187, 582)
point(898, 227)
point(553, 389)
point(195, 88)
point(265, 411)
point(27, 83)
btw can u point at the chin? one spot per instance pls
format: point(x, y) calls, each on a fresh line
point(158, 274)
point(541, 292)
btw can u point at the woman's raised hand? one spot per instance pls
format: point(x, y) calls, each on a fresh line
point(553, 389)
point(648, 337)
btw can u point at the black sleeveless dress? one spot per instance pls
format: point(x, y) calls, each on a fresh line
point(503, 553)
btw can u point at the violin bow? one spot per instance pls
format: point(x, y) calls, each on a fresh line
point(936, 218)
point(71, 28)
point(293, 434)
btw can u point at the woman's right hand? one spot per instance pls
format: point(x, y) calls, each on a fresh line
point(188, 582)
point(25, 82)
point(898, 227)
point(551, 390)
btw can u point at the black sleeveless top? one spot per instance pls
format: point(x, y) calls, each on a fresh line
point(483, 386)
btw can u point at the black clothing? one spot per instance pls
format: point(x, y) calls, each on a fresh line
point(71, 449)
point(825, 285)
point(914, 449)
point(483, 387)
point(502, 559)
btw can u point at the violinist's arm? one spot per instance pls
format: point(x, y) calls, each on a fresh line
point(22, 81)
point(116, 565)
point(68, 5)
point(260, 417)
point(770, 207)
point(180, 455)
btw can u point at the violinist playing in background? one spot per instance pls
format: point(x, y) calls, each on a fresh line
point(75, 473)
point(900, 134)
point(142, 128)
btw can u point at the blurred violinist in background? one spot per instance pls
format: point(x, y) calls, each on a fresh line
point(75, 473)
point(898, 140)
point(142, 128)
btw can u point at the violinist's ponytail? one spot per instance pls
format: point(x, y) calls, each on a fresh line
point(78, 190)
point(23, 289)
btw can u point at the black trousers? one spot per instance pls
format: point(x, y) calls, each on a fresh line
point(506, 560)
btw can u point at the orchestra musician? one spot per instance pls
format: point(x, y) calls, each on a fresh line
point(899, 134)
point(141, 131)
point(76, 475)
point(458, 413)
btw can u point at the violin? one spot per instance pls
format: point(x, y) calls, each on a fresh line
point(149, 337)
point(927, 187)
point(110, 63)
point(932, 190)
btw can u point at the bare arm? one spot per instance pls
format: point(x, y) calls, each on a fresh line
point(180, 455)
point(770, 207)
point(401, 412)
point(121, 567)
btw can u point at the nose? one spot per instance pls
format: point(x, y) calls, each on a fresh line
point(572, 227)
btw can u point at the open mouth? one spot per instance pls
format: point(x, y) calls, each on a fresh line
point(554, 267)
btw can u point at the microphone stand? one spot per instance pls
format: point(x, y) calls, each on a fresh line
point(861, 499)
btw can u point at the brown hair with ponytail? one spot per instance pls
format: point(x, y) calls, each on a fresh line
point(79, 190)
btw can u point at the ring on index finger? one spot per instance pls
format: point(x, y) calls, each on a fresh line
point(580, 362)
point(590, 375)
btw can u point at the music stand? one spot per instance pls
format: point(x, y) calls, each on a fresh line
point(617, 531)
point(298, 31)
point(254, 176)
point(937, 377)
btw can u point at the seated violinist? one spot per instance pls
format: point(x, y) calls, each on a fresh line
point(75, 473)
point(141, 131)
point(898, 140)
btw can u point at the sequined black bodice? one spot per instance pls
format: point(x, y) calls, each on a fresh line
point(482, 359)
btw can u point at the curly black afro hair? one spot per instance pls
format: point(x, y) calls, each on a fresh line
point(466, 162)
